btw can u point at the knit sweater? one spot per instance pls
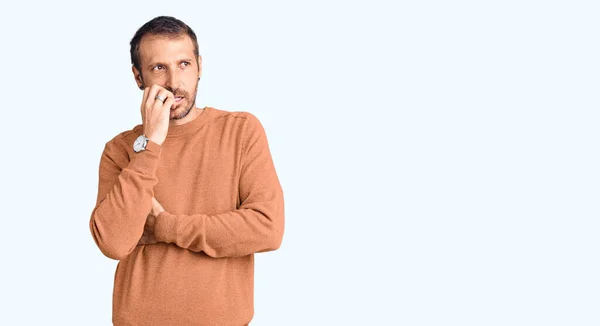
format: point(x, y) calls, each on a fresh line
point(223, 202)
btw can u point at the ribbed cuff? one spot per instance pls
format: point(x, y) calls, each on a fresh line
point(145, 162)
point(165, 228)
point(153, 147)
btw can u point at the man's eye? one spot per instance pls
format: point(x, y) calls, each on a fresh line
point(159, 67)
point(185, 64)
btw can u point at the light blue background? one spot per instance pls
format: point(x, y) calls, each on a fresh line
point(439, 159)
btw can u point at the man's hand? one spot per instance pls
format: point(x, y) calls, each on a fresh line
point(148, 235)
point(156, 207)
point(156, 112)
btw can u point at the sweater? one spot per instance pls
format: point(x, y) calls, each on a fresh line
point(223, 202)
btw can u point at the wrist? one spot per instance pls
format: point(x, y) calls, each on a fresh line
point(155, 140)
point(153, 146)
point(152, 136)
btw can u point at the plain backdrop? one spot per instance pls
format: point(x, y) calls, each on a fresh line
point(439, 159)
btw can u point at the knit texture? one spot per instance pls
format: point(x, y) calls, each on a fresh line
point(223, 202)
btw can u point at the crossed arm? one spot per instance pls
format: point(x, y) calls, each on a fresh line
point(125, 198)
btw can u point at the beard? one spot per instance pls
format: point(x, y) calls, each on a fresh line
point(183, 113)
point(187, 103)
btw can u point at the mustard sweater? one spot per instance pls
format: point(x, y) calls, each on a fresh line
point(223, 202)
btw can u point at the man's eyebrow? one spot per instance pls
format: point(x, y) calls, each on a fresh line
point(151, 65)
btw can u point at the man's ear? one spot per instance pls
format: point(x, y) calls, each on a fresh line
point(138, 77)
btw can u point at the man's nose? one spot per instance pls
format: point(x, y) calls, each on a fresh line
point(172, 81)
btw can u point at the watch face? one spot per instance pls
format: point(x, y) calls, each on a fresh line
point(138, 145)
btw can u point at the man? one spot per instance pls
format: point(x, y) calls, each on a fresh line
point(186, 198)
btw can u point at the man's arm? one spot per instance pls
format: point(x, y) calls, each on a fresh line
point(256, 226)
point(124, 200)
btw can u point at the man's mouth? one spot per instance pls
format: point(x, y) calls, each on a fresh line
point(178, 99)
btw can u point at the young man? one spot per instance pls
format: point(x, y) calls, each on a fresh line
point(186, 198)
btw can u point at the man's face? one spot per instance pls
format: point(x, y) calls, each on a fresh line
point(170, 62)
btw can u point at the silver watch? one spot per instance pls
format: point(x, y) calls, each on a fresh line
point(140, 143)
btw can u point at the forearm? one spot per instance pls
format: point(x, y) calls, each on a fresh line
point(258, 227)
point(117, 221)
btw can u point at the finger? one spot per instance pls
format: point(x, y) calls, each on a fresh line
point(168, 104)
point(165, 95)
point(170, 94)
point(145, 96)
point(144, 99)
point(151, 99)
point(160, 206)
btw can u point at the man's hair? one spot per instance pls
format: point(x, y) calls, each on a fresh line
point(161, 25)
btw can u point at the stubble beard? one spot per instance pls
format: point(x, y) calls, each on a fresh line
point(191, 106)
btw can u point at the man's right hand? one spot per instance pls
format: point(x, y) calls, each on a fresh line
point(155, 113)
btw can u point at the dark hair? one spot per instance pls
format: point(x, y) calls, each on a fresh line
point(161, 25)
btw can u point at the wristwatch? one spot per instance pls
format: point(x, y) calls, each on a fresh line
point(142, 142)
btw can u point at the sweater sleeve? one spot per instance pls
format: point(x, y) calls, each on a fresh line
point(256, 226)
point(124, 200)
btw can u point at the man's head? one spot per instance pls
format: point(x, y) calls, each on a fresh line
point(164, 51)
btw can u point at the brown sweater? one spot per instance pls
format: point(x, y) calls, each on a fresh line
point(223, 202)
